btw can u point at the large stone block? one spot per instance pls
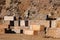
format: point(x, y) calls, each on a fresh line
point(35, 27)
point(22, 23)
point(7, 22)
point(15, 23)
point(53, 24)
point(9, 18)
point(16, 29)
point(28, 32)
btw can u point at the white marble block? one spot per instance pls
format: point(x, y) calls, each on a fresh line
point(22, 23)
point(15, 23)
point(16, 29)
point(53, 24)
point(9, 18)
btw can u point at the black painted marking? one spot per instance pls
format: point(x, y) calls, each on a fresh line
point(21, 31)
point(11, 23)
point(26, 22)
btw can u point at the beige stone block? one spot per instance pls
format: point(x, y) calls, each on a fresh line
point(28, 32)
point(35, 27)
point(16, 29)
point(44, 22)
point(15, 23)
point(22, 23)
point(3, 26)
point(53, 24)
point(8, 17)
point(39, 22)
point(7, 22)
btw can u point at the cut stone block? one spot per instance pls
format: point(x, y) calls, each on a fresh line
point(7, 22)
point(3, 26)
point(35, 27)
point(22, 23)
point(9, 18)
point(16, 29)
point(53, 24)
point(15, 23)
point(28, 32)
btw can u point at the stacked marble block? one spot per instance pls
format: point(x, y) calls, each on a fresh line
point(5, 24)
point(7, 20)
point(11, 22)
point(17, 27)
point(22, 29)
point(33, 28)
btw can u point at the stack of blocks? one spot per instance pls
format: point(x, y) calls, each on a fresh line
point(19, 26)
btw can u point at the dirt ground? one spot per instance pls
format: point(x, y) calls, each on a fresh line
point(24, 37)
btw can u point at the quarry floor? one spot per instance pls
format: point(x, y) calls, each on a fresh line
point(24, 37)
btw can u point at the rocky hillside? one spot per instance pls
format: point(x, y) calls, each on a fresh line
point(37, 9)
